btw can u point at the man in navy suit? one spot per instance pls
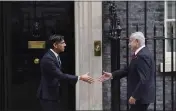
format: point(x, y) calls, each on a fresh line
point(141, 74)
point(51, 75)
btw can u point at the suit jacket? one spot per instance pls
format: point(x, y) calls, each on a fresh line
point(51, 76)
point(141, 77)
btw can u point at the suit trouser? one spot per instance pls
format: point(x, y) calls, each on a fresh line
point(48, 105)
point(139, 107)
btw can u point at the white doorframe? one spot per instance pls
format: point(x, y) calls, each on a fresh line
point(88, 28)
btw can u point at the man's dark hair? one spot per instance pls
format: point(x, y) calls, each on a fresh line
point(53, 39)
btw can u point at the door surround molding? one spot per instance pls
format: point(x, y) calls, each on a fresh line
point(88, 28)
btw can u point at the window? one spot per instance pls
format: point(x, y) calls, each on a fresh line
point(170, 27)
point(170, 21)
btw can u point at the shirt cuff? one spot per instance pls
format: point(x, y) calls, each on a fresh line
point(111, 77)
point(78, 78)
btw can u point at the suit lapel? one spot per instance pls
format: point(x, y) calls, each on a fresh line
point(54, 57)
point(141, 51)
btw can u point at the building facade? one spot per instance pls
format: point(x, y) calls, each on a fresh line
point(25, 27)
point(149, 17)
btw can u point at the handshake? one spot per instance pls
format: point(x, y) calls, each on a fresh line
point(105, 76)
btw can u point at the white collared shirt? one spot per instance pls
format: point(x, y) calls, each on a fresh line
point(54, 52)
point(139, 49)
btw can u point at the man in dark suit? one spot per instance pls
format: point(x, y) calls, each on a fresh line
point(141, 74)
point(51, 75)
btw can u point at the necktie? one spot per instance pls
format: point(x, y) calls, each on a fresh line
point(133, 56)
point(59, 61)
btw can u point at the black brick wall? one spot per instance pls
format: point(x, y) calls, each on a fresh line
point(155, 15)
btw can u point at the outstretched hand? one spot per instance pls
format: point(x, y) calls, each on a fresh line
point(87, 78)
point(105, 76)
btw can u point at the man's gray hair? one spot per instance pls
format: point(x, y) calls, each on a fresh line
point(139, 36)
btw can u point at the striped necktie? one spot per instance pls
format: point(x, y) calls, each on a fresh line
point(133, 56)
point(59, 61)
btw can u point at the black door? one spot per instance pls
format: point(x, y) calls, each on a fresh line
point(2, 83)
point(28, 26)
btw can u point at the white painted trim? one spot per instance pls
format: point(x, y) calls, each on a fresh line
point(77, 14)
point(170, 20)
point(88, 28)
point(165, 22)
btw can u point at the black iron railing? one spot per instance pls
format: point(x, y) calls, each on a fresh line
point(116, 39)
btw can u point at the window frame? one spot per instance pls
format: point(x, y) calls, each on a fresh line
point(167, 53)
point(166, 20)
